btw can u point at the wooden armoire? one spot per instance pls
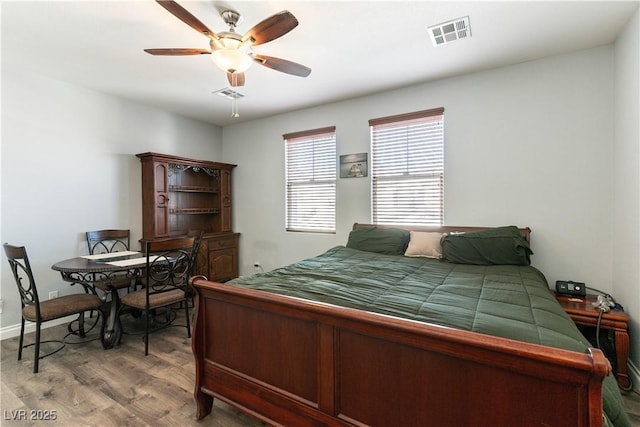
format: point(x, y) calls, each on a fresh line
point(181, 195)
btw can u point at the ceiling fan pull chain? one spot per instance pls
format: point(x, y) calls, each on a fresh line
point(234, 108)
point(234, 100)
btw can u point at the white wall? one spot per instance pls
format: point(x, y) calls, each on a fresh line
point(626, 243)
point(529, 145)
point(69, 165)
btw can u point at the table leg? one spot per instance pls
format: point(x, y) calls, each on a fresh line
point(622, 354)
point(112, 328)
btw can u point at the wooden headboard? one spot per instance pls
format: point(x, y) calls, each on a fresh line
point(526, 232)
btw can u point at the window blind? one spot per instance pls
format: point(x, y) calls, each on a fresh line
point(407, 168)
point(310, 163)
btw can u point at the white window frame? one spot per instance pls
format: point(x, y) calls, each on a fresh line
point(407, 168)
point(310, 180)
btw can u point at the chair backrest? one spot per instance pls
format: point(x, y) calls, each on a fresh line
point(107, 241)
point(198, 234)
point(169, 263)
point(21, 269)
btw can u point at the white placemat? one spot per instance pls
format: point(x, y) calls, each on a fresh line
point(109, 255)
point(133, 261)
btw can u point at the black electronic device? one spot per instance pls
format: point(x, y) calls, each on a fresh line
point(569, 287)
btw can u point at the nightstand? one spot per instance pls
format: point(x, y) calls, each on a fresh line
point(582, 312)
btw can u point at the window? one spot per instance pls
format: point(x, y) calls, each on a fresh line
point(407, 168)
point(310, 164)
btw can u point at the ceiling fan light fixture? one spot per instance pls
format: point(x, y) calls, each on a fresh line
point(231, 54)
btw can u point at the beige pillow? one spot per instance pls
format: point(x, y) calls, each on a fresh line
point(424, 244)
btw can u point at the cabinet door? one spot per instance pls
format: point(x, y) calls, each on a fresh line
point(223, 264)
point(161, 199)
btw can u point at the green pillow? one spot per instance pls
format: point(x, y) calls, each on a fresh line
point(494, 246)
point(391, 241)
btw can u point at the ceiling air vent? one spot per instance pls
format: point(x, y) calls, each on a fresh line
point(450, 31)
point(229, 93)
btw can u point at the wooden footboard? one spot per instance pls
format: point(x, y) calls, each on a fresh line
point(293, 362)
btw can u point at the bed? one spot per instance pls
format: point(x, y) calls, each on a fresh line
point(364, 335)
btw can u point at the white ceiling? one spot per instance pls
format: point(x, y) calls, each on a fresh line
point(354, 48)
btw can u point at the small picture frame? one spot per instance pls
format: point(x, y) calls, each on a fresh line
point(353, 165)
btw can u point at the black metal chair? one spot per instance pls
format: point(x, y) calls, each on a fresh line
point(108, 241)
point(165, 281)
point(38, 311)
point(198, 234)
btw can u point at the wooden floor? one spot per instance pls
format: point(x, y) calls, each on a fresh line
point(87, 386)
point(84, 385)
point(632, 402)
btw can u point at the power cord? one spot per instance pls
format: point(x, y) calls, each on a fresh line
point(598, 327)
point(604, 304)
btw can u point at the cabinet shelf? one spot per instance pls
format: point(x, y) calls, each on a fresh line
point(194, 211)
point(192, 189)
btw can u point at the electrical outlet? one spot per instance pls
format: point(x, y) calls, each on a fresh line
point(53, 294)
point(257, 267)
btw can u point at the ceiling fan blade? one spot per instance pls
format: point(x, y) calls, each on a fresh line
point(178, 51)
point(271, 28)
point(235, 79)
point(283, 65)
point(185, 16)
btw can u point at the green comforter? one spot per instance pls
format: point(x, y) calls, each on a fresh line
point(501, 300)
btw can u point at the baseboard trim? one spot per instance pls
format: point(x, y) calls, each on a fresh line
point(11, 331)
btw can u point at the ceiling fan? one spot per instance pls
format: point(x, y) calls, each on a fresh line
point(231, 51)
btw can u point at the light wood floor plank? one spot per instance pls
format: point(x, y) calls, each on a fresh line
point(88, 386)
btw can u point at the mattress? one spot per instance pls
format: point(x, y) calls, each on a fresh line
point(510, 301)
